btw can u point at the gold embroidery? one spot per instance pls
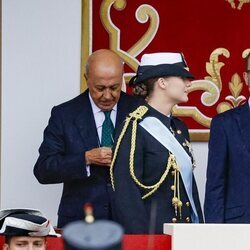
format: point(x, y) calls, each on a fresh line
point(211, 85)
point(191, 151)
point(232, 3)
point(241, 2)
point(235, 99)
point(245, 53)
point(143, 14)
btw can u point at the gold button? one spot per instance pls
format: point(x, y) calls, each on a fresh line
point(173, 187)
point(184, 144)
point(173, 172)
point(175, 200)
point(187, 219)
point(174, 220)
point(178, 131)
point(187, 204)
point(179, 204)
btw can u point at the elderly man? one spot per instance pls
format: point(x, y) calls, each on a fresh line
point(24, 229)
point(76, 149)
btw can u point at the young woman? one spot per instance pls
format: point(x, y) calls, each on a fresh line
point(152, 167)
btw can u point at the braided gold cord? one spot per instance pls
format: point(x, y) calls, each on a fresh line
point(171, 163)
point(154, 187)
point(136, 115)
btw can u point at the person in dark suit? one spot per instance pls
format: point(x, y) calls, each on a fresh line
point(72, 151)
point(227, 198)
point(152, 168)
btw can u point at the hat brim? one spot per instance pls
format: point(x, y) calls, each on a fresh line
point(25, 222)
point(162, 70)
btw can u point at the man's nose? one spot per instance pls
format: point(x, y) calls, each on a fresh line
point(31, 247)
point(107, 94)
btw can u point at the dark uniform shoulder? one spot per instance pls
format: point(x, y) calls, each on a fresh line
point(139, 112)
point(178, 122)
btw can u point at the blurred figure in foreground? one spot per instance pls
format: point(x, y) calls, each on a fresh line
point(92, 235)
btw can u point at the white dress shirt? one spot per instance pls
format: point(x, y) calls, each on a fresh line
point(99, 119)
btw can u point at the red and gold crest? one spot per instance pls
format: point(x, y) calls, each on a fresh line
point(213, 35)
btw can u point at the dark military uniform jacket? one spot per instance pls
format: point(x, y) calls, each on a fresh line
point(142, 216)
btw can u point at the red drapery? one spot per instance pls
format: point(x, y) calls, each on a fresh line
point(213, 35)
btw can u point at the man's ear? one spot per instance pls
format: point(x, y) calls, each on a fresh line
point(246, 78)
point(5, 246)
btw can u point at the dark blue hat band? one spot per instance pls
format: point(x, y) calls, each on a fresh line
point(161, 70)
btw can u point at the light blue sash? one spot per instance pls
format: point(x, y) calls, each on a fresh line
point(162, 134)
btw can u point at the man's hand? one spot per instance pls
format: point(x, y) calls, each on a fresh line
point(99, 156)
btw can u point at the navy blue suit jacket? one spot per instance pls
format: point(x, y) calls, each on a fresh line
point(70, 133)
point(227, 198)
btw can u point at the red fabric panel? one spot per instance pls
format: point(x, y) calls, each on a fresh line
point(130, 242)
point(194, 27)
point(143, 242)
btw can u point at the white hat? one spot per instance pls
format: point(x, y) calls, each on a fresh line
point(25, 222)
point(159, 65)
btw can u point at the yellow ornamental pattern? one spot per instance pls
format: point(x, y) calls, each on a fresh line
point(234, 5)
point(210, 87)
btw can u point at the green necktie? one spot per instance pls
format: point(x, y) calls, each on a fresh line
point(107, 130)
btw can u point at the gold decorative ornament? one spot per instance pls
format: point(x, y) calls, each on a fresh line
point(212, 84)
point(234, 100)
point(144, 14)
point(191, 151)
point(240, 4)
point(245, 53)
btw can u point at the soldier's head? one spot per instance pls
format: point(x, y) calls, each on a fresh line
point(24, 229)
point(166, 72)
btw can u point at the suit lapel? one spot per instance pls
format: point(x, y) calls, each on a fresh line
point(243, 119)
point(122, 110)
point(85, 123)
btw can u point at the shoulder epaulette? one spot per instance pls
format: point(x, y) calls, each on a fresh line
point(138, 113)
point(132, 117)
